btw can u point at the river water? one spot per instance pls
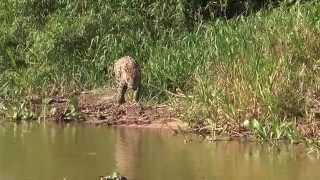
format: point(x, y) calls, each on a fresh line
point(51, 152)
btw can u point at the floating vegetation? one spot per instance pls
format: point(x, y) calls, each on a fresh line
point(114, 176)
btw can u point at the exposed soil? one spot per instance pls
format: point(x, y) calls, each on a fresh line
point(99, 108)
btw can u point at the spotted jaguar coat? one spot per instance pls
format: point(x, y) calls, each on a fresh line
point(128, 75)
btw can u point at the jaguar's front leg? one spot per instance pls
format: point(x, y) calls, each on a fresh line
point(121, 91)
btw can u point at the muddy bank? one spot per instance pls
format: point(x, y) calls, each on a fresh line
point(98, 107)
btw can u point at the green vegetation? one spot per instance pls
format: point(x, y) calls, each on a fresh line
point(261, 69)
point(20, 113)
point(114, 176)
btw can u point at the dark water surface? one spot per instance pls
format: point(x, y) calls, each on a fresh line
point(48, 152)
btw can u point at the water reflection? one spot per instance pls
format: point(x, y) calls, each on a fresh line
point(128, 151)
point(165, 157)
point(33, 151)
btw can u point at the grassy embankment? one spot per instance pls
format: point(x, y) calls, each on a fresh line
point(260, 71)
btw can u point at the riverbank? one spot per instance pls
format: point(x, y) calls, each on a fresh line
point(96, 107)
point(99, 108)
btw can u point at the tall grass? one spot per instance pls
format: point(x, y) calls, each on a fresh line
point(264, 68)
point(261, 67)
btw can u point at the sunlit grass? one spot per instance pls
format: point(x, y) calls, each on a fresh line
point(265, 68)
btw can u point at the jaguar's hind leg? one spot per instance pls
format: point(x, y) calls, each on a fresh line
point(136, 94)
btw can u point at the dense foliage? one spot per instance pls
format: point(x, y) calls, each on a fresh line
point(234, 60)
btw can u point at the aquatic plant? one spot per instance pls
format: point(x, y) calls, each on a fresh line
point(114, 176)
point(274, 130)
point(20, 112)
